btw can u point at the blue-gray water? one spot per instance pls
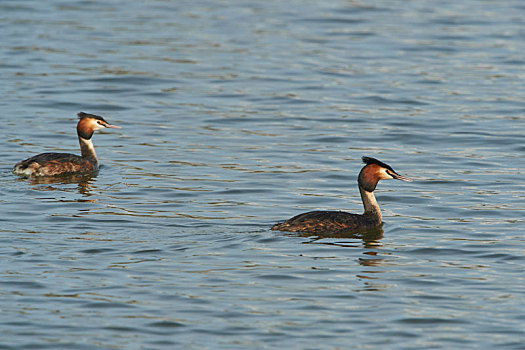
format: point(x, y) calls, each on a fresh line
point(236, 115)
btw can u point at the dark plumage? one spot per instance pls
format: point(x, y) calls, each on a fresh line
point(55, 164)
point(52, 164)
point(322, 222)
point(325, 221)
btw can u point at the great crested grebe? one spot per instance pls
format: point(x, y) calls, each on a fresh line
point(52, 164)
point(339, 221)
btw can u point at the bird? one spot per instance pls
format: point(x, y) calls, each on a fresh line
point(55, 164)
point(322, 222)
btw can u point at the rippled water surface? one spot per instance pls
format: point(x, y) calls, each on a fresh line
point(236, 115)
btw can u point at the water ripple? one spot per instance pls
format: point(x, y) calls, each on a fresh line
point(236, 117)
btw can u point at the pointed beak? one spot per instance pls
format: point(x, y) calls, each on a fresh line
point(399, 177)
point(112, 126)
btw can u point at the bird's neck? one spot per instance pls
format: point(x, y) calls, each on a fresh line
point(369, 202)
point(87, 150)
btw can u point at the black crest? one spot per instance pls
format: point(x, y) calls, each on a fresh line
point(370, 160)
point(82, 115)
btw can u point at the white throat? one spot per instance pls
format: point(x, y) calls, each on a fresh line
point(87, 149)
point(370, 204)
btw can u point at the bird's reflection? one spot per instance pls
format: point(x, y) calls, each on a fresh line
point(83, 181)
point(369, 238)
point(371, 264)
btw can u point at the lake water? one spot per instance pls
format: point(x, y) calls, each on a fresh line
point(239, 114)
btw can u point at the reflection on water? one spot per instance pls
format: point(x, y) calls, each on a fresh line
point(84, 182)
point(370, 238)
point(375, 260)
